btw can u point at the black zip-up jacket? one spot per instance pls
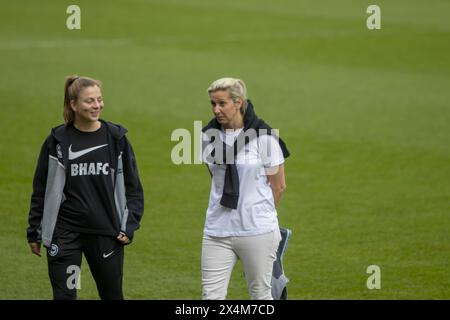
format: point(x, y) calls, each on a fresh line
point(50, 176)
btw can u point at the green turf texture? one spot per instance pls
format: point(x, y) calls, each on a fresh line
point(364, 113)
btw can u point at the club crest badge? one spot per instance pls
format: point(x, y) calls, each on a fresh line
point(58, 151)
point(53, 250)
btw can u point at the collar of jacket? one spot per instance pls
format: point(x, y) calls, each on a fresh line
point(116, 130)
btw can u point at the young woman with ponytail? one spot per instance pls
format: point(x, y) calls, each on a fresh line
point(87, 196)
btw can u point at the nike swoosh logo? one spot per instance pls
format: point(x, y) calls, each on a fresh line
point(107, 255)
point(73, 155)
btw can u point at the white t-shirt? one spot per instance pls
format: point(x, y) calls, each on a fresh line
point(255, 213)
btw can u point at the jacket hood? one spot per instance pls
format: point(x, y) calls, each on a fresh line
point(116, 130)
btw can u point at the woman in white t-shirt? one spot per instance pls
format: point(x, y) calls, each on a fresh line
point(246, 163)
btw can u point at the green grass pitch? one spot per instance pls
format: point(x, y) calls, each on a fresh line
point(365, 114)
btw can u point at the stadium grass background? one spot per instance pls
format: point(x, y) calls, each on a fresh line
point(365, 115)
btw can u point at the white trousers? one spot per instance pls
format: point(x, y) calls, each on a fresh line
point(257, 253)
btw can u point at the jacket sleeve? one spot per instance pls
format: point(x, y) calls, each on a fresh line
point(38, 194)
point(133, 191)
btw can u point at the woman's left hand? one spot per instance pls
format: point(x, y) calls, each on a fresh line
point(122, 237)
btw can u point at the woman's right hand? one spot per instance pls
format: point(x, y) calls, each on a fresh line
point(35, 248)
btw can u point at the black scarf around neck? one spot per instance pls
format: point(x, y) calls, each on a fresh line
point(230, 194)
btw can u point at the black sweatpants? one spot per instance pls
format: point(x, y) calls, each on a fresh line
point(104, 255)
